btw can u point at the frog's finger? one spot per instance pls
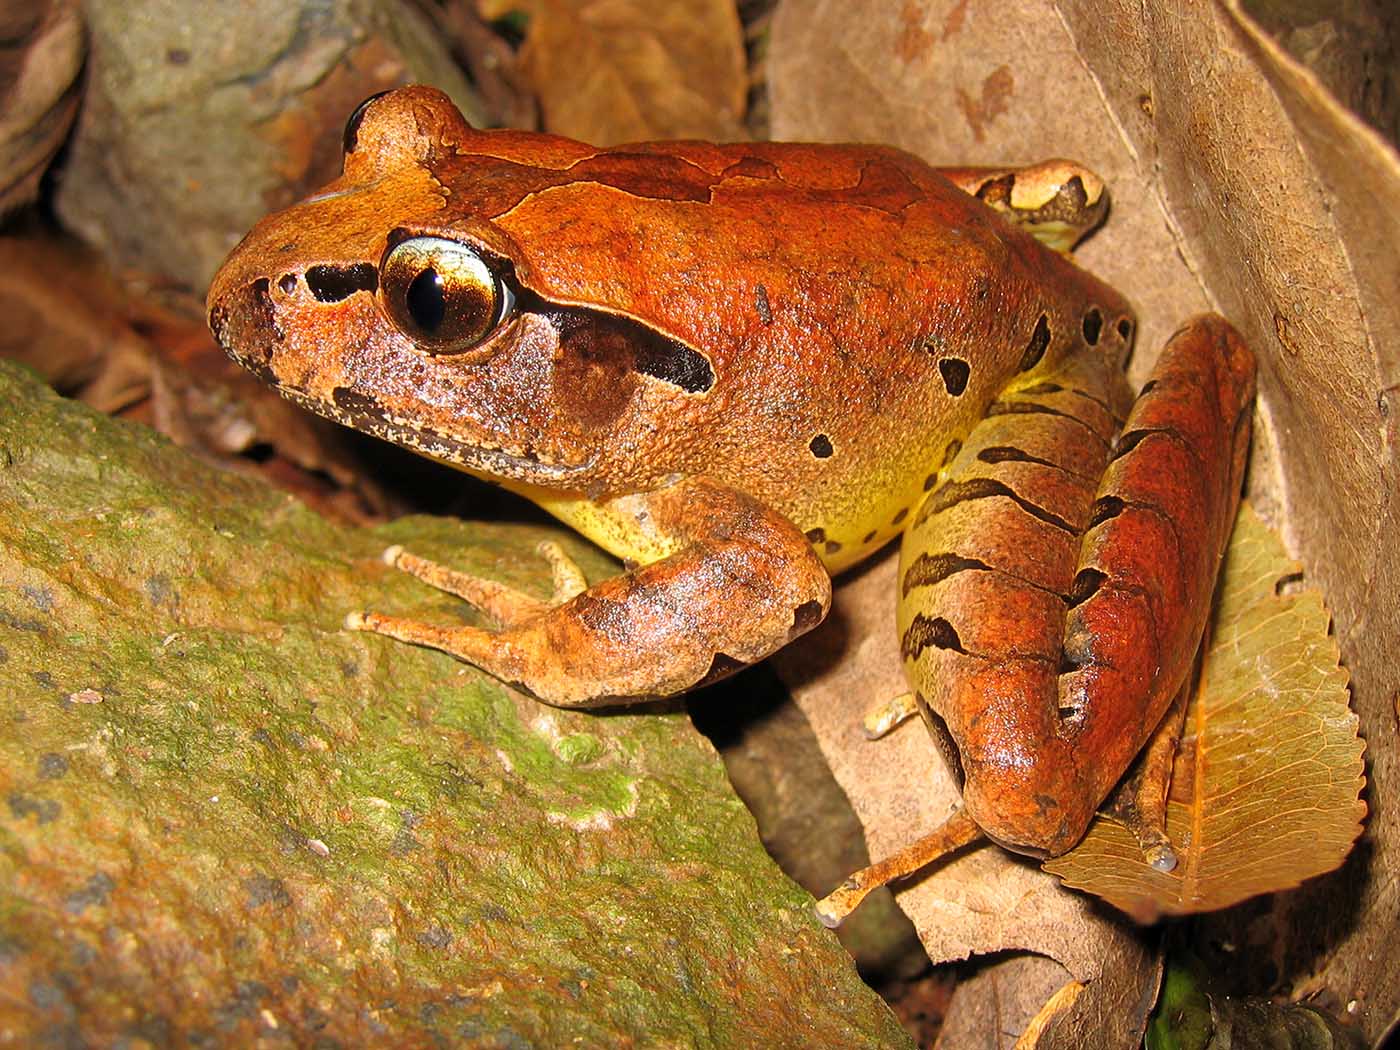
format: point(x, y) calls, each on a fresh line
point(742, 582)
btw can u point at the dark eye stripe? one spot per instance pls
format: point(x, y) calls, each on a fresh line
point(330, 284)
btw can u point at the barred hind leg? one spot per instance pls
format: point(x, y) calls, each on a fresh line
point(1047, 617)
point(1055, 587)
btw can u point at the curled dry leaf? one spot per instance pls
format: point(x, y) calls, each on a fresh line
point(1265, 789)
point(610, 71)
point(41, 52)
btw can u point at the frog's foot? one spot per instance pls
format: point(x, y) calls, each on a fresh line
point(503, 604)
point(883, 717)
point(957, 831)
point(734, 582)
point(1056, 201)
point(1140, 801)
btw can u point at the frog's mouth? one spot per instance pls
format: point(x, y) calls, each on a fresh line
point(358, 412)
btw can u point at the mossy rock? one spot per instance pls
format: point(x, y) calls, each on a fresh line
point(229, 822)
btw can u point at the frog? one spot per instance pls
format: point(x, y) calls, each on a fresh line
point(744, 368)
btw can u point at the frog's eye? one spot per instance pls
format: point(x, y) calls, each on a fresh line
point(442, 294)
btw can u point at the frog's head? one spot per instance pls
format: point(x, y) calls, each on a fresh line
point(420, 298)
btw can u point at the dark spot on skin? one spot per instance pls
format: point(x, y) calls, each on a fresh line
point(955, 372)
point(330, 284)
point(832, 547)
point(288, 283)
point(39, 597)
point(806, 616)
point(957, 492)
point(760, 302)
point(1007, 454)
point(1093, 326)
point(926, 631)
point(929, 569)
point(15, 623)
point(868, 536)
point(1086, 584)
point(821, 446)
point(930, 481)
point(1125, 327)
point(159, 590)
point(816, 535)
point(951, 452)
point(1130, 440)
point(903, 513)
point(352, 126)
point(177, 56)
point(1040, 341)
point(1104, 509)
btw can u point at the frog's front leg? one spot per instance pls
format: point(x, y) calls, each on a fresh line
point(737, 582)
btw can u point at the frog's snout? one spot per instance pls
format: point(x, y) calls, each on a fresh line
point(243, 321)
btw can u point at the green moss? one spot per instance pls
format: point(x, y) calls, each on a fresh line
point(266, 824)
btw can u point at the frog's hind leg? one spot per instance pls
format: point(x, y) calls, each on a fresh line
point(1048, 622)
point(1056, 201)
point(503, 604)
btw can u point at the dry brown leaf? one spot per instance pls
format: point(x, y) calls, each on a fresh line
point(610, 71)
point(1265, 788)
point(41, 54)
point(1238, 184)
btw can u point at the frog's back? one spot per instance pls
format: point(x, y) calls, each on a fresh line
point(859, 311)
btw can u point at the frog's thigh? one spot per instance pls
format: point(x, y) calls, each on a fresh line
point(1046, 621)
point(741, 582)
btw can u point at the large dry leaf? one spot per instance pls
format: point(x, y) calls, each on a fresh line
point(610, 71)
point(1265, 788)
point(1238, 184)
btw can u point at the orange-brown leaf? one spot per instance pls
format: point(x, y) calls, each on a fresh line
point(1265, 789)
point(610, 71)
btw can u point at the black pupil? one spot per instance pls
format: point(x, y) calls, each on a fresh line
point(426, 303)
